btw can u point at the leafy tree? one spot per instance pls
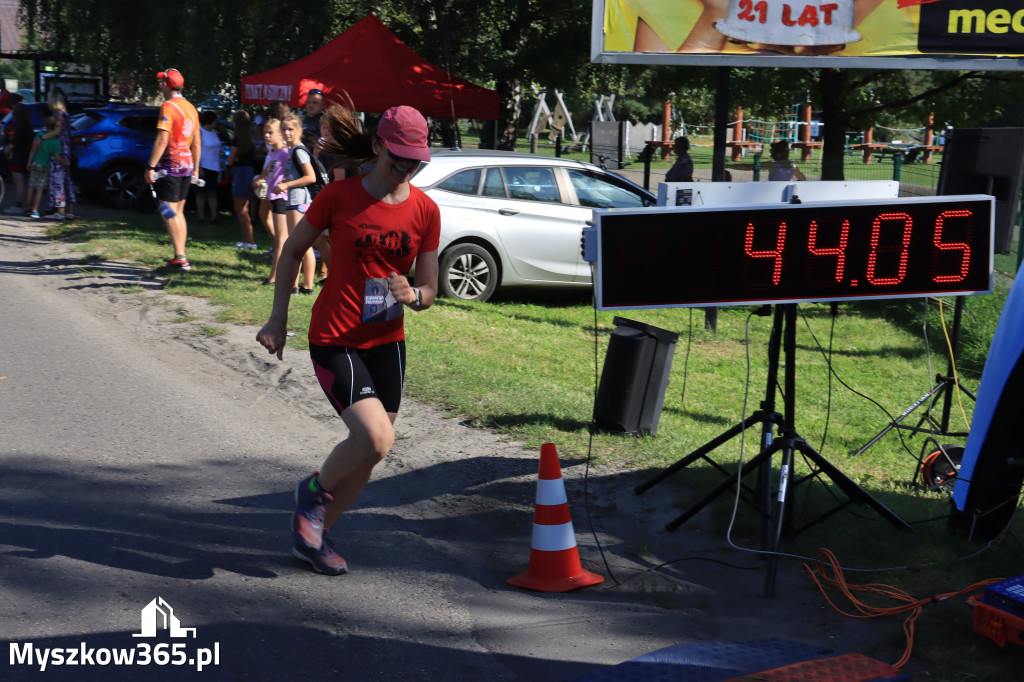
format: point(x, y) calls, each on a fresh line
point(856, 99)
point(212, 43)
point(508, 44)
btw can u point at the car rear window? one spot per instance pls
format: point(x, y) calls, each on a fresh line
point(84, 120)
point(533, 183)
point(494, 184)
point(140, 124)
point(463, 182)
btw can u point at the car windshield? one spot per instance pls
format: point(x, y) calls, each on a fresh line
point(605, 191)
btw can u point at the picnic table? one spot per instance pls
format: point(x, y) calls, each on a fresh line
point(882, 151)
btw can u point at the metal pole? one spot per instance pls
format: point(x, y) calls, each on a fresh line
point(722, 96)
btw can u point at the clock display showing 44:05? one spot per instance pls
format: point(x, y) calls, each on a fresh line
point(786, 253)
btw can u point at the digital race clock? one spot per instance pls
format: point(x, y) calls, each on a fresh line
point(785, 253)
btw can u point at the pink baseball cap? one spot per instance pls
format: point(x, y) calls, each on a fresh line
point(172, 77)
point(405, 131)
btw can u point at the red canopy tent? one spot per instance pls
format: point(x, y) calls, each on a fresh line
point(378, 71)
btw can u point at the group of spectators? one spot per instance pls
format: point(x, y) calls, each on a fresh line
point(270, 165)
point(38, 161)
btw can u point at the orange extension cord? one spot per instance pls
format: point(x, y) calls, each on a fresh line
point(828, 573)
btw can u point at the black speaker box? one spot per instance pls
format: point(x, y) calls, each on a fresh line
point(986, 161)
point(631, 393)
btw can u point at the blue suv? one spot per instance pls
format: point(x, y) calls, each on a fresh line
point(110, 149)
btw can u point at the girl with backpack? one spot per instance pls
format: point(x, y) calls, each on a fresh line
point(298, 177)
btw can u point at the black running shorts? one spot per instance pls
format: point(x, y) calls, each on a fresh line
point(348, 375)
point(173, 189)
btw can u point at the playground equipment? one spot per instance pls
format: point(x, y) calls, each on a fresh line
point(754, 134)
point(557, 122)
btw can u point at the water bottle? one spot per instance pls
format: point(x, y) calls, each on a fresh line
point(162, 206)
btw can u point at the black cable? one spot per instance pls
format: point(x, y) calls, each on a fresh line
point(832, 371)
point(892, 419)
point(590, 443)
point(686, 359)
point(660, 566)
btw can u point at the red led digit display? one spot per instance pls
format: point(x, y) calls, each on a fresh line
point(776, 231)
point(964, 247)
point(783, 253)
point(838, 251)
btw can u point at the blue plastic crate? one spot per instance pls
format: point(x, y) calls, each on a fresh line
point(1007, 595)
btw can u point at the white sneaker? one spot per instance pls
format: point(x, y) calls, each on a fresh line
point(250, 247)
point(55, 216)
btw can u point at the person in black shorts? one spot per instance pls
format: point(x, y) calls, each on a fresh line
point(380, 226)
point(174, 160)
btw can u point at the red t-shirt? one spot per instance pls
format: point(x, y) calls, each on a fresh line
point(369, 240)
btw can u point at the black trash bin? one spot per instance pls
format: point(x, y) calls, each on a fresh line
point(636, 368)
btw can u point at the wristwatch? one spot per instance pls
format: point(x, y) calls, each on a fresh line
point(419, 297)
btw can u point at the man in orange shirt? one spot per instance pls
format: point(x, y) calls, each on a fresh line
point(174, 161)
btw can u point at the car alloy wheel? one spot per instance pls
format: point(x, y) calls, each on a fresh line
point(469, 272)
point(122, 186)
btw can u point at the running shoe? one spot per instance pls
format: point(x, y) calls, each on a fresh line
point(179, 264)
point(324, 560)
point(55, 216)
point(308, 519)
point(33, 214)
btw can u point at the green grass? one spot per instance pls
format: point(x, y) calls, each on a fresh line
point(527, 365)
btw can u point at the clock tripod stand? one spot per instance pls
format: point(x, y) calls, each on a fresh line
point(943, 388)
point(777, 513)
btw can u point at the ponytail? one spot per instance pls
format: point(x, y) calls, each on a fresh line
point(349, 137)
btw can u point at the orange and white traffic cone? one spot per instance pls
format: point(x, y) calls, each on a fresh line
point(554, 558)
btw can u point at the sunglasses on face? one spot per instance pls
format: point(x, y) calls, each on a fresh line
point(314, 91)
point(399, 159)
point(167, 72)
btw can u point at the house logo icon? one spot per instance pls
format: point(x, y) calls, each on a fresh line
point(158, 615)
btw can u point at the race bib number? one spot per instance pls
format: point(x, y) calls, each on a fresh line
point(378, 303)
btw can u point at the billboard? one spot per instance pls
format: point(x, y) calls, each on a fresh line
point(916, 34)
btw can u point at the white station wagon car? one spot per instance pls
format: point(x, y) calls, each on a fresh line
point(510, 219)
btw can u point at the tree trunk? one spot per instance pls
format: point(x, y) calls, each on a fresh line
point(510, 93)
point(835, 119)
